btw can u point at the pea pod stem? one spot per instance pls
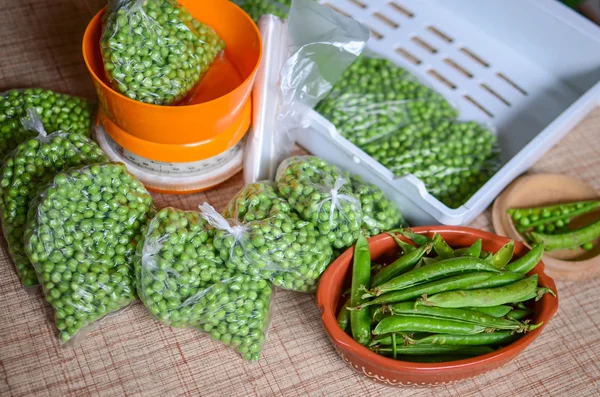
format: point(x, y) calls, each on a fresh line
point(405, 247)
point(439, 269)
point(483, 339)
point(420, 350)
point(361, 274)
point(400, 265)
point(569, 240)
point(528, 261)
point(515, 292)
point(403, 323)
point(460, 281)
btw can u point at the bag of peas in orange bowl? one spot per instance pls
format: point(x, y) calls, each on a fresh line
point(183, 282)
point(154, 51)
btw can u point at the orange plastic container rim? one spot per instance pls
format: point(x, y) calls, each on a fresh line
point(101, 81)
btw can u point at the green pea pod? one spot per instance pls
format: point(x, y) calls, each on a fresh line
point(446, 284)
point(441, 247)
point(429, 261)
point(528, 261)
point(343, 317)
point(496, 311)
point(418, 239)
point(377, 314)
point(483, 339)
point(472, 251)
point(504, 255)
point(498, 280)
point(537, 295)
point(573, 239)
point(468, 316)
point(551, 214)
point(436, 358)
point(406, 247)
point(439, 269)
point(424, 350)
point(426, 324)
point(514, 292)
point(400, 265)
point(518, 314)
point(361, 274)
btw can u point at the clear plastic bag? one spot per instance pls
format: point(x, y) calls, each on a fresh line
point(80, 237)
point(379, 213)
point(258, 8)
point(322, 194)
point(282, 248)
point(453, 159)
point(154, 51)
point(58, 112)
point(256, 201)
point(30, 166)
point(306, 56)
point(184, 283)
point(375, 97)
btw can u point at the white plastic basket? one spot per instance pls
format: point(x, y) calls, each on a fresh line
point(529, 67)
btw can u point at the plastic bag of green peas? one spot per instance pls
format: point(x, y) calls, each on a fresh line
point(258, 8)
point(453, 159)
point(183, 282)
point(154, 51)
point(81, 238)
point(374, 97)
point(379, 213)
point(256, 201)
point(281, 248)
point(58, 112)
point(321, 193)
point(29, 167)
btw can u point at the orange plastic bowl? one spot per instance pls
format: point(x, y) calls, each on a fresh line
point(188, 123)
point(178, 153)
point(402, 373)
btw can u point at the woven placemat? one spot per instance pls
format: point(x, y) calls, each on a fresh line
point(133, 355)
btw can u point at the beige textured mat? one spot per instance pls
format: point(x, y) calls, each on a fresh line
point(134, 355)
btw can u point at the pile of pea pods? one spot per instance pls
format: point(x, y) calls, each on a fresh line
point(436, 303)
point(411, 129)
point(155, 51)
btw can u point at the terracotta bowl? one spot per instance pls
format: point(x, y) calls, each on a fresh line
point(401, 373)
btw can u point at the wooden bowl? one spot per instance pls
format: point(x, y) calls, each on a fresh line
point(402, 373)
point(540, 190)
